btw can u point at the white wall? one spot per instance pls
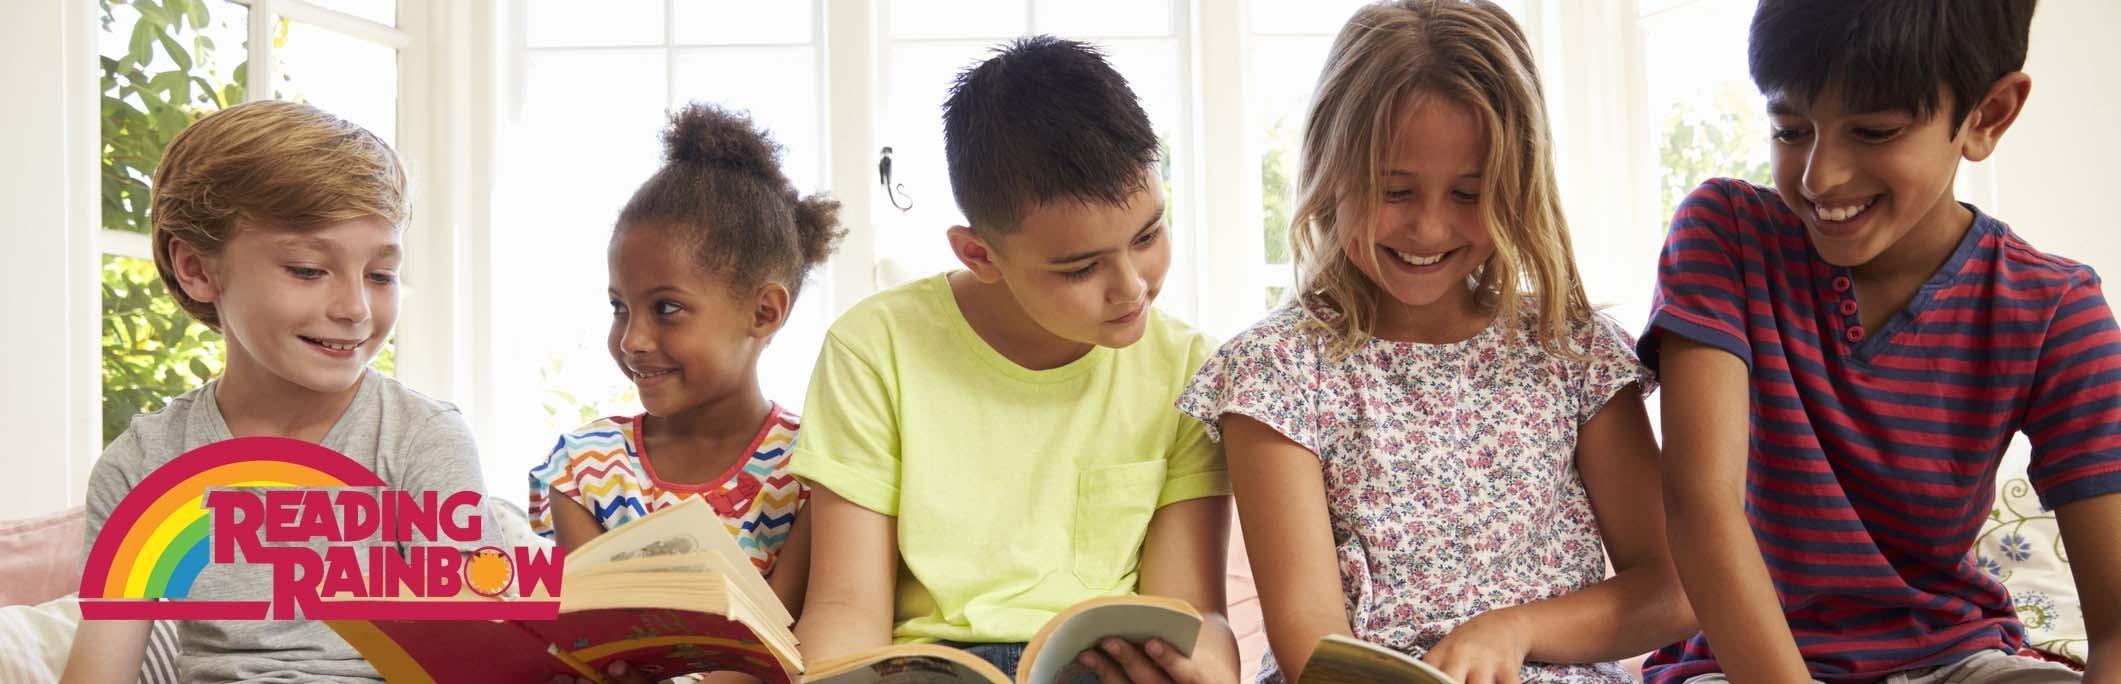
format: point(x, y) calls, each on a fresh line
point(48, 184)
point(2050, 177)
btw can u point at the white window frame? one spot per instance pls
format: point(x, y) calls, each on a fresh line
point(55, 393)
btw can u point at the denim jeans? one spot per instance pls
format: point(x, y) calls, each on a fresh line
point(1004, 657)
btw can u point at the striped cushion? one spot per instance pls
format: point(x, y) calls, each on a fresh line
point(160, 665)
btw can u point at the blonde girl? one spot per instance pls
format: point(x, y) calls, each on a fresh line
point(1436, 440)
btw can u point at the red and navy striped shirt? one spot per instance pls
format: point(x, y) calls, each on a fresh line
point(1873, 454)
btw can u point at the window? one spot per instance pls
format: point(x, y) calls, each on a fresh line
point(168, 63)
point(1289, 43)
point(1704, 116)
point(1709, 119)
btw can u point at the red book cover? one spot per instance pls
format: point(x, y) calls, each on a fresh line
point(421, 652)
point(657, 642)
point(661, 642)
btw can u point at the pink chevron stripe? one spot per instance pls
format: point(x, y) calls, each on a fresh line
point(592, 465)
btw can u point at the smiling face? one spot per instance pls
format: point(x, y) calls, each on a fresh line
point(1426, 237)
point(678, 332)
point(309, 308)
point(1864, 183)
point(1086, 272)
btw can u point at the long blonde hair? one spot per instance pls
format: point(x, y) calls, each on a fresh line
point(1472, 53)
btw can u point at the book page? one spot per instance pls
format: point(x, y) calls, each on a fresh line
point(910, 664)
point(1343, 660)
point(688, 527)
point(1051, 655)
point(663, 643)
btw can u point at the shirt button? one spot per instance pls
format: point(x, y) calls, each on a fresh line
point(1855, 333)
point(1848, 307)
point(1841, 283)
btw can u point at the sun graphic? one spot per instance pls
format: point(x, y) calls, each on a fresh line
point(489, 572)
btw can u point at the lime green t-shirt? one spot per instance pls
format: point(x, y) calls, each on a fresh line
point(1018, 492)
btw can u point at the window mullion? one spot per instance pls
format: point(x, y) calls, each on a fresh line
point(258, 53)
point(342, 22)
point(670, 54)
point(1233, 266)
point(855, 60)
point(124, 243)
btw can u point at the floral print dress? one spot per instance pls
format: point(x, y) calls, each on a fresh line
point(1450, 469)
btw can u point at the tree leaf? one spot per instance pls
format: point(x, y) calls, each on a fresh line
point(171, 336)
point(195, 10)
point(151, 12)
point(141, 48)
point(176, 50)
point(169, 119)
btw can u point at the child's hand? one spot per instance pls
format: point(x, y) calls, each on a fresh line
point(1487, 649)
point(1117, 661)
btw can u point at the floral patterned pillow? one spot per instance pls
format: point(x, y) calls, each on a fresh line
point(2021, 546)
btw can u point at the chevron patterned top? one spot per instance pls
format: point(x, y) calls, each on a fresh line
point(604, 467)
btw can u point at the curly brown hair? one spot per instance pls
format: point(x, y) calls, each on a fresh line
point(722, 188)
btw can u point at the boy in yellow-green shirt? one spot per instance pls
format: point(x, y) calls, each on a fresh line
point(990, 446)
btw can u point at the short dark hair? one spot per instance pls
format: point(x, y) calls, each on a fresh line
point(722, 188)
point(1044, 119)
point(1889, 54)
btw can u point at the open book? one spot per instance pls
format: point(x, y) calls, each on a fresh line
point(1344, 660)
point(670, 594)
point(1049, 658)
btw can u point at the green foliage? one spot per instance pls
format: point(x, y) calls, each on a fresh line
point(152, 350)
point(565, 409)
point(162, 83)
point(1724, 138)
point(1275, 190)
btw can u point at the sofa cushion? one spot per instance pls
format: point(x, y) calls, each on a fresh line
point(2021, 545)
point(35, 640)
point(40, 557)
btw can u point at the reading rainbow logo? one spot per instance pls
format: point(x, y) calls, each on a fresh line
point(159, 536)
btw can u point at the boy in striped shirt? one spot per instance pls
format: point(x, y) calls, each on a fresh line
point(1846, 356)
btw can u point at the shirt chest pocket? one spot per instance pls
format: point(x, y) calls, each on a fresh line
point(1113, 506)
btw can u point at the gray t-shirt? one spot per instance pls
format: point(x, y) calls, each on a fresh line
point(412, 442)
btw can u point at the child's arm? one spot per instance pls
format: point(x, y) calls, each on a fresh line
point(1281, 499)
point(1712, 542)
point(849, 605)
point(1184, 557)
point(791, 569)
point(2094, 552)
point(572, 525)
point(107, 652)
point(1641, 607)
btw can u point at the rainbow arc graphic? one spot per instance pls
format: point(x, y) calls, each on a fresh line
point(159, 536)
